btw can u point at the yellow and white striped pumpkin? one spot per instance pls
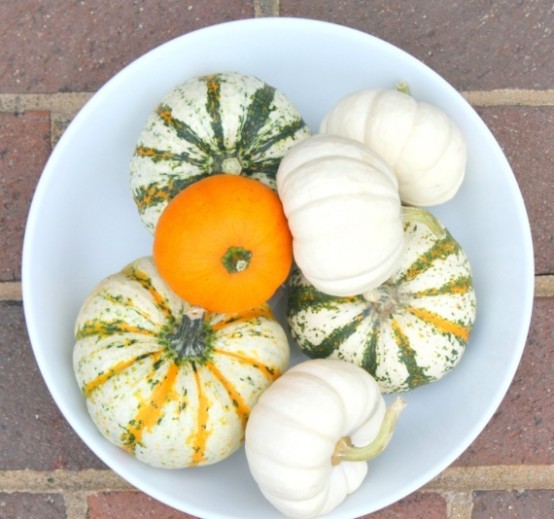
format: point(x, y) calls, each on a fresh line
point(409, 331)
point(171, 384)
point(219, 123)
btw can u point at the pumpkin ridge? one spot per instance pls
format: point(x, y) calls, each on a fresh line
point(416, 375)
point(271, 373)
point(156, 193)
point(460, 285)
point(241, 407)
point(441, 324)
point(257, 114)
point(182, 129)
point(336, 338)
point(106, 328)
point(145, 281)
point(440, 250)
point(369, 359)
point(117, 369)
point(263, 311)
point(150, 411)
point(285, 132)
point(128, 304)
point(213, 108)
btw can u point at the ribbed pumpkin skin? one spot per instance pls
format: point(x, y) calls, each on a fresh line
point(410, 331)
point(167, 407)
point(220, 123)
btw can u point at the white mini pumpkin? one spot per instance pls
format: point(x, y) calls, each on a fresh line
point(421, 143)
point(343, 209)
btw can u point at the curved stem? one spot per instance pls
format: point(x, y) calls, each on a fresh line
point(345, 451)
point(417, 214)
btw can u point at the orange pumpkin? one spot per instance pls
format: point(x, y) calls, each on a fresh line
point(223, 243)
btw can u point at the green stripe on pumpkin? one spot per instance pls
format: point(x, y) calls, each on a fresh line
point(162, 192)
point(459, 285)
point(440, 250)
point(213, 108)
point(133, 273)
point(182, 129)
point(406, 356)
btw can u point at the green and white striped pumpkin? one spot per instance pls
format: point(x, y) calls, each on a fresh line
point(409, 331)
point(169, 383)
point(220, 123)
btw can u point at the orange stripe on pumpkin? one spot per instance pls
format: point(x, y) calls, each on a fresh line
point(440, 323)
point(199, 438)
point(145, 281)
point(260, 311)
point(150, 410)
point(271, 373)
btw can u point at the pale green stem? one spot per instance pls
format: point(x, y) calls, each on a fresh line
point(402, 86)
point(345, 451)
point(417, 214)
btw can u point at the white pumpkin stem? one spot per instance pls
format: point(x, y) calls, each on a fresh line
point(345, 451)
point(417, 214)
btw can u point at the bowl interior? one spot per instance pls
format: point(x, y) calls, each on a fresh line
point(83, 226)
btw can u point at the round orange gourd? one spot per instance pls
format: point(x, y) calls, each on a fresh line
point(223, 243)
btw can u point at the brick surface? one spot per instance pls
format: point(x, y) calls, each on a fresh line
point(416, 506)
point(473, 44)
point(78, 46)
point(129, 505)
point(527, 504)
point(31, 506)
point(521, 429)
point(24, 149)
point(33, 433)
point(525, 134)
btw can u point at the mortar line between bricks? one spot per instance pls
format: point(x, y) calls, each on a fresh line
point(71, 102)
point(453, 479)
point(264, 8)
point(495, 477)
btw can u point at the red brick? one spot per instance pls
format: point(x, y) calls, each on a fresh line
point(416, 506)
point(33, 432)
point(474, 45)
point(521, 430)
point(24, 149)
point(77, 46)
point(31, 506)
point(129, 505)
point(525, 134)
point(527, 504)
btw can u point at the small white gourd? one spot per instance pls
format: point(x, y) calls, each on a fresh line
point(421, 143)
point(344, 212)
point(309, 437)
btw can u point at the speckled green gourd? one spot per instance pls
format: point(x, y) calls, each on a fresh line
point(219, 123)
point(169, 383)
point(411, 330)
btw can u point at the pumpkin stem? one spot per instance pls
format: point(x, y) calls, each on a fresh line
point(403, 87)
point(231, 165)
point(417, 214)
point(236, 259)
point(189, 340)
point(345, 451)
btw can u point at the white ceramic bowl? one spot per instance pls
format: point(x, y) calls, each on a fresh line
point(83, 226)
